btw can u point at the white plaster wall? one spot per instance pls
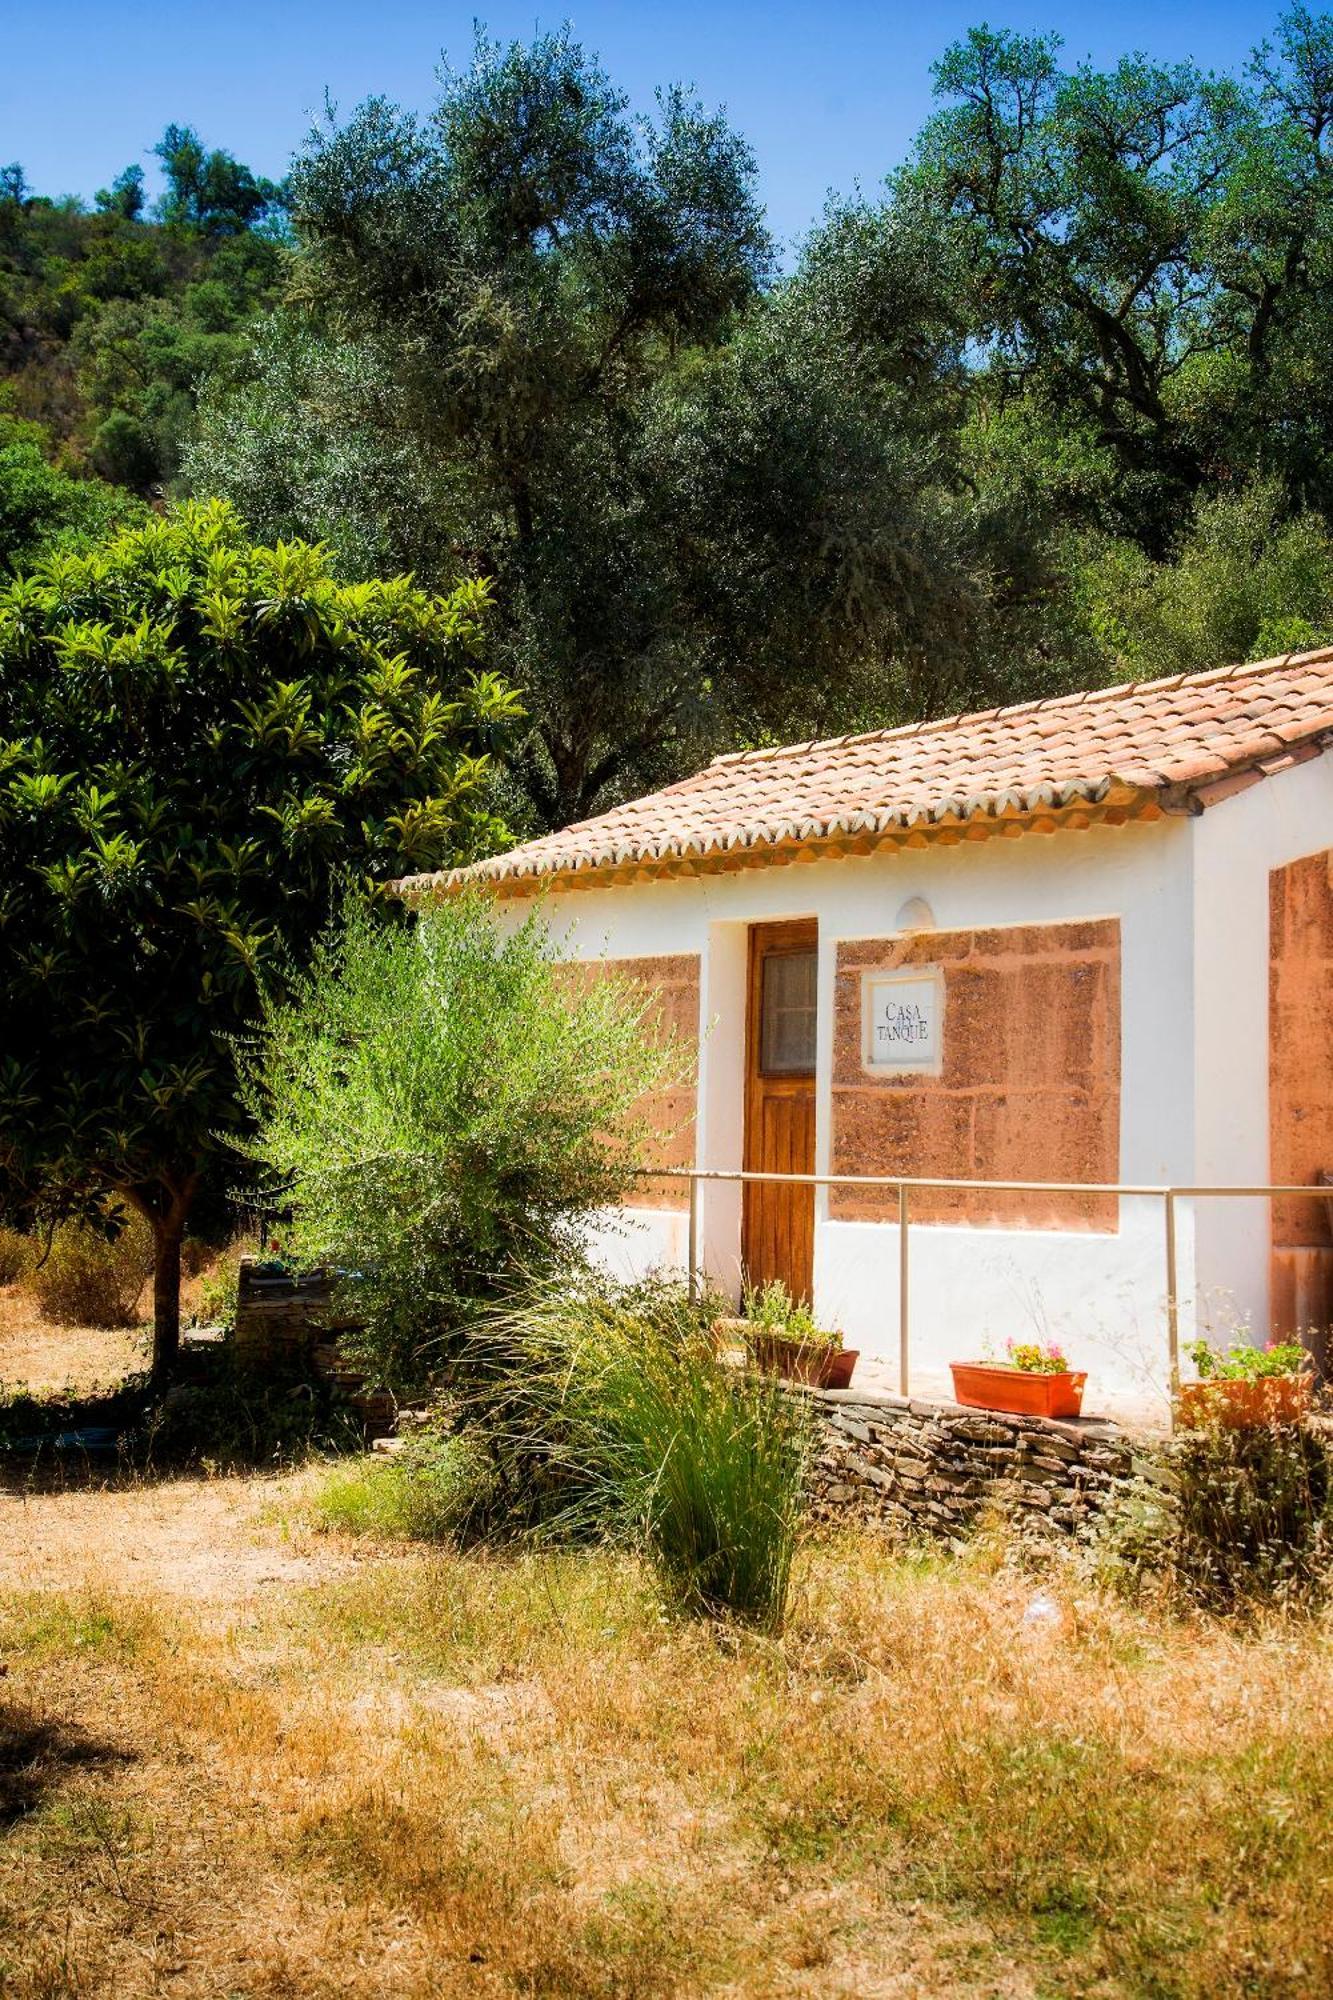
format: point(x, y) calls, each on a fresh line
point(1104, 1295)
point(1237, 843)
point(634, 1241)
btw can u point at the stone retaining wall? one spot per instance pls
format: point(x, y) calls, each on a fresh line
point(280, 1315)
point(287, 1323)
point(937, 1466)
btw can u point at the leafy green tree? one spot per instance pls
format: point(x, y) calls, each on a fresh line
point(141, 359)
point(526, 264)
point(125, 197)
point(1247, 581)
point(295, 432)
point(212, 193)
point(1146, 252)
point(43, 508)
point(203, 745)
point(112, 318)
point(546, 327)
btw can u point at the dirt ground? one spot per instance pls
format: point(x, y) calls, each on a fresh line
point(210, 1543)
point(194, 1756)
point(246, 1757)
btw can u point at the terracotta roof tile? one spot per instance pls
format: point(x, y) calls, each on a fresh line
point(1154, 738)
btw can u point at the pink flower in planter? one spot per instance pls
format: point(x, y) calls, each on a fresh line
point(1037, 1357)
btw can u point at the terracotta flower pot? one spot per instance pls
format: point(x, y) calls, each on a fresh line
point(839, 1368)
point(990, 1385)
point(818, 1366)
point(1240, 1405)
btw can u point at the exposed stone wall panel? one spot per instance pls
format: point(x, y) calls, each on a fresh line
point(1029, 1086)
point(937, 1467)
point(1300, 1089)
point(671, 982)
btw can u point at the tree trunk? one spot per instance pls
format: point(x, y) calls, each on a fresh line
point(165, 1205)
point(168, 1231)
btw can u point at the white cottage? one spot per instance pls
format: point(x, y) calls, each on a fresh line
point(1085, 941)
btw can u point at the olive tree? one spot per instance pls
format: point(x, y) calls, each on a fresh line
point(443, 1108)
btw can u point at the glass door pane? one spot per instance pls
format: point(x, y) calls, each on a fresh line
point(787, 1014)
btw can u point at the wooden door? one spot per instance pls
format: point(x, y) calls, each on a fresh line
point(778, 1226)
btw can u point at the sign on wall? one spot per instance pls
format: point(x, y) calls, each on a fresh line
point(902, 1020)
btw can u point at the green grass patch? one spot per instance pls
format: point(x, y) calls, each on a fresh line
point(430, 1492)
point(39, 1625)
point(490, 1613)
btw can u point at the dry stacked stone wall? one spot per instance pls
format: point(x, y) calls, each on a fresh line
point(287, 1323)
point(936, 1467)
point(281, 1315)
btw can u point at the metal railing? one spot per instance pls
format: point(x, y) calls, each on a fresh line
point(906, 1186)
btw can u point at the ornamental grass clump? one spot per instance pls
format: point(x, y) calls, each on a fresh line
point(608, 1414)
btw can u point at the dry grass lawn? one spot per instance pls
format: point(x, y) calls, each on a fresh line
point(80, 1361)
point(45, 1358)
point(245, 1757)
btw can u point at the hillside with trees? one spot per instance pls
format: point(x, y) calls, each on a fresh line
point(1051, 408)
point(111, 317)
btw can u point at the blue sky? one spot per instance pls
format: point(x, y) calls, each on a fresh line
point(828, 95)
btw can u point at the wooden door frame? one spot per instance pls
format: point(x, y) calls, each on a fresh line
point(765, 940)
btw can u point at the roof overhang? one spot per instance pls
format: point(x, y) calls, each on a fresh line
point(1111, 803)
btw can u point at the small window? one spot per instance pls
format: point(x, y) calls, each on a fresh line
point(787, 1022)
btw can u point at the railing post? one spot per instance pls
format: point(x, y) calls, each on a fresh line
point(692, 1253)
point(902, 1290)
point(1172, 1301)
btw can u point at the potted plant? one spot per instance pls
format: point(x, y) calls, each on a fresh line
point(781, 1335)
point(1244, 1385)
point(1036, 1381)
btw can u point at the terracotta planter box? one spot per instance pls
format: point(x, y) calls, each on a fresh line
point(818, 1367)
point(795, 1361)
point(990, 1385)
point(1271, 1399)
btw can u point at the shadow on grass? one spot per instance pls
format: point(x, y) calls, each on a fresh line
point(52, 1439)
point(211, 1417)
point(37, 1753)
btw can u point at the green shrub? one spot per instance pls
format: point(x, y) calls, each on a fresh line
point(1244, 1362)
point(196, 1256)
point(86, 1279)
point(607, 1412)
point(16, 1255)
point(227, 1419)
point(1238, 1517)
point(439, 1488)
point(439, 1104)
point(124, 451)
point(219, 1287)
point(771, 1309)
